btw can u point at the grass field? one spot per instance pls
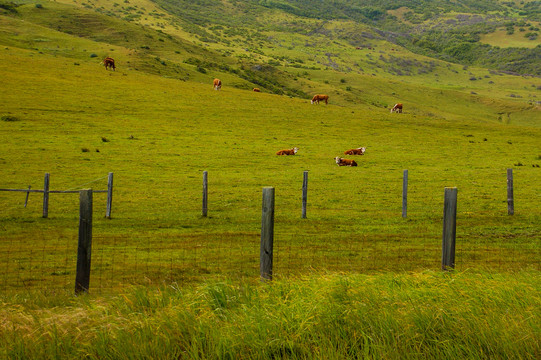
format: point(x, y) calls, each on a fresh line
point(352, 280)
point(428, 315)
point(161, 134)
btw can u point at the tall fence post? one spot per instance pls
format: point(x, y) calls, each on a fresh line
point(46, 196)
point(267, 234)
point(84, 248)
point(109, 195)
point(304, 193)
point(405, 194)
point(204, 210)
point(449, 229)
point(510, 198)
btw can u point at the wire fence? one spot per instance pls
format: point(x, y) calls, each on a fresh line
point(48, 263)
point(338, 236)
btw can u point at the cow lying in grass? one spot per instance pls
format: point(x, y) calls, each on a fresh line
point(357, 151)
point(288, 151)
point(344, 162)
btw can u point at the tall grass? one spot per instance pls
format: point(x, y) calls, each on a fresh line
point(426, 315)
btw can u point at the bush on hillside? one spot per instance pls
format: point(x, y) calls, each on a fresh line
point(9, 118)
point(9, 7)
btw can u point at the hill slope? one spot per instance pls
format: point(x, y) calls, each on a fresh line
point(250, 44)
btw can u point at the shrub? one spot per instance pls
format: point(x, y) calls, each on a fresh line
point(9, 118)
point(39, 6)
point(93, 55)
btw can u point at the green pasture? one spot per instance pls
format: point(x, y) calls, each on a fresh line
point(353, 280)
point(502, 39)
point(157, 135)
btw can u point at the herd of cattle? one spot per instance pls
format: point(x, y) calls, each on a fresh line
point(339, 161)
point(217, 84)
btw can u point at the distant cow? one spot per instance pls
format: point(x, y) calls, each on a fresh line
point(109, 63)
point(317, 98)
point(257, 90)
point(217, 84)
point(344, 162)
point(357, 151)
point(288, 151)
point(397, 108)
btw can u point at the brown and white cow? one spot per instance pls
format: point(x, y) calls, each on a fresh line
point(288, 151)
point(397, 108)
point(320, 97)
point(257, 90)
point(109, 63)
point(344, 162)
point(357, 151)
point(217, 83)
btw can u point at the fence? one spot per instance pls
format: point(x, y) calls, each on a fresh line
point(117, 260)
point(46, 193)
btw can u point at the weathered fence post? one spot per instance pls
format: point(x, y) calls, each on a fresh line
point(204, 211)
point(82, 277)
point(267, 234)
point(304, 193)
point(27, 194)
point(109, 195)
point(405, 194)
point(510, 198)
point(46, 196)
point(449, 229)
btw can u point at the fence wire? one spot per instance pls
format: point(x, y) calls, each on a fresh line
point(48, 262)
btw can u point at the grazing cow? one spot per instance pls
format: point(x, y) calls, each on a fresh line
point(317, 98)
point(257, 90)
point(397, 108)
point(109, 63)
point(288, 151)
point(358, 151)
point(344, 162)
point(217, 84)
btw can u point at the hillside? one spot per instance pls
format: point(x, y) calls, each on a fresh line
point(281, 49)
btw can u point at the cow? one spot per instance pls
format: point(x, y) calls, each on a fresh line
point(397, 108)
point(317, 98)
point(288, 151)
point(257, 90)
point(344, 162)
point(357, 151)
point(109, 62)
point(217, 84)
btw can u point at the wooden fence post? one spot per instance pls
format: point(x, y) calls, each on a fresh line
point(46, 196)
point(204, 210)
point(510, 198)
point(267, 234)
point(304, 193)
point(449, 229)
point(109, 195)
point(405, 194)
point(84, 248)
point(27, 194)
